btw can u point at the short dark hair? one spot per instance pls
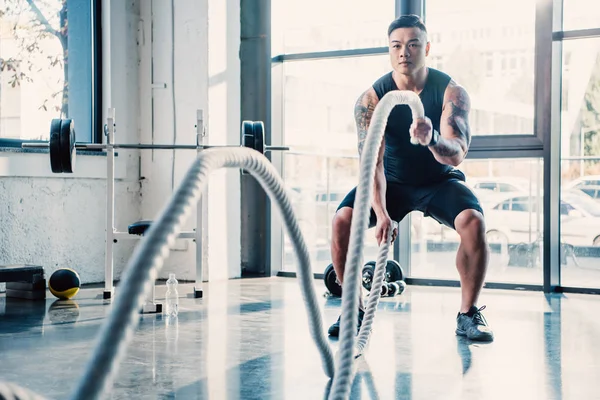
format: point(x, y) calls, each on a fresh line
point(407, 21)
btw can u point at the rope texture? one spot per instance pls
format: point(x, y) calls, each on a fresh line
point(148, 258)
point(10, 391)
point(360, 220)
point(150, 254)
point(374, 294)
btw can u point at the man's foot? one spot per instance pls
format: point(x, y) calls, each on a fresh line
point(334, 330)
point(473, 325)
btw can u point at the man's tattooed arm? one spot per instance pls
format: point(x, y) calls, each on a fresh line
point(363, 112)
point(455, 135)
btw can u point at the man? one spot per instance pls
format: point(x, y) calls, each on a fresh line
point(421, 177)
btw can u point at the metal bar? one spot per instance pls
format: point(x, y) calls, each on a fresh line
point(322, 55)
point(455, 283)
point(576, 34)
point(98, 146)
point(110, 207)
point(582, 290)
point(277, 148)
point(201, 216)
point(575, 158)
point(129, 236)
point(548, 122)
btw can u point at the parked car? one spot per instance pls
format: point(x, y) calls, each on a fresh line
point(519, 218)
point(589, 185)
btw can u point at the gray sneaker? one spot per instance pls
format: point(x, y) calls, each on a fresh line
point(473, 325)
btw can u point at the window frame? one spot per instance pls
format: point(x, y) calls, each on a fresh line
point(95, 85)
point(544, 142)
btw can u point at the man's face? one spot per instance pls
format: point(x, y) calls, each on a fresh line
point(408, 49)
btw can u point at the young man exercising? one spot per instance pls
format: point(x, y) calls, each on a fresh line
point(421, 177)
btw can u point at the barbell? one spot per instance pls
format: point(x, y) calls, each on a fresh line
point(62, 145)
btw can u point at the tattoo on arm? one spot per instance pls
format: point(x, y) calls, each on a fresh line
point(363, 111)
point(457, 110)
point(459, 114)
point(447, 149)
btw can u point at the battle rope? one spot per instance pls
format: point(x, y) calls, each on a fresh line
point(149, 256)
point(360, 222)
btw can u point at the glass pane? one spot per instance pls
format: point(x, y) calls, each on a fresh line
point(314, 25)
point(580, 14)
point(34, 73)
point(319, 98)
point(317, 184)
point(513, 220)
point(580, 167)
point(489, 49)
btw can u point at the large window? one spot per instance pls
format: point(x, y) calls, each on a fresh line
point(510, 192)
point(580, 14)
point(319, 98)
point(47, 55)
point(580, 167)
point(315, 25)
point(488, 47)
point(494, 49)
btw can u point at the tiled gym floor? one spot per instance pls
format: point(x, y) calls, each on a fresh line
point(248, 339)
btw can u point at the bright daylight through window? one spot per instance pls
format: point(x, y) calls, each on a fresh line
point(34, 67)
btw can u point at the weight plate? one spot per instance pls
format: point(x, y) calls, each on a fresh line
point(401, 287)
point(331, 284)
point(54, 149)
point(259, 136)
point(67, 145)
point(368, 273)
point(393, 271)
point(248, 134)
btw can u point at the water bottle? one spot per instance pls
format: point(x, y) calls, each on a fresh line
point(172, 296)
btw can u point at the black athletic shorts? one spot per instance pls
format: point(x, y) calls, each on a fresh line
point(442, 201)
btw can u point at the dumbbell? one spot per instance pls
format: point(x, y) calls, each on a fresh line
point(395, 288)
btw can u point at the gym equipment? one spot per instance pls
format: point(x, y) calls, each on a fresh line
point(64, 283)
point(62, 145)
point(331, 282)
point(24, 281)
point(340, 387)
point(117, 332)
point(393, 273)
point(62, 159)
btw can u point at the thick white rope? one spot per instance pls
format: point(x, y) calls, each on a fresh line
point(360, 222)
point(374, 294)
point(150, 254)
point(10, 391)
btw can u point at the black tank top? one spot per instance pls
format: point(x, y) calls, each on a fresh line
point(404, 162)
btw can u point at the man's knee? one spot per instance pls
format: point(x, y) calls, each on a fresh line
point(470, 224)
point(342, 221)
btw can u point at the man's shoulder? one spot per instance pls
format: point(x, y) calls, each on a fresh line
point(439, 76)
point(383, 84)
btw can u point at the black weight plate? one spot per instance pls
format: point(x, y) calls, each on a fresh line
point(367, 275)
point(331, 284)
point(393, 271)
point(67, 145)
point(247, 138)
point(259, 136)
point(248, 134)
point(401, 286)
point(55, 158)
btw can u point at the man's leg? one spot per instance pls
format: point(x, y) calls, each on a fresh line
point(340, 238)
point(472, 256)
point(456, 206)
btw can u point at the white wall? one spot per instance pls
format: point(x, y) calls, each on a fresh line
point(206, 43)
point(57, 220)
